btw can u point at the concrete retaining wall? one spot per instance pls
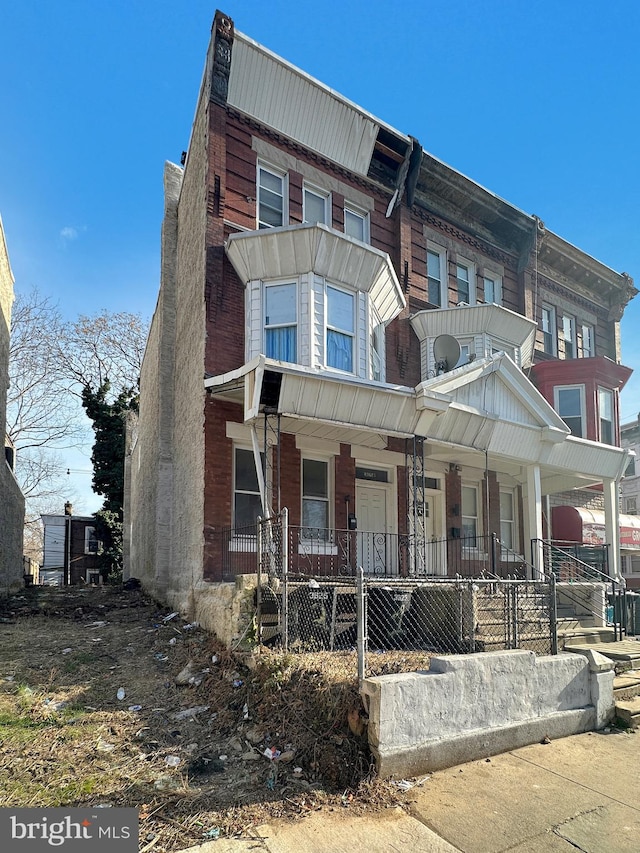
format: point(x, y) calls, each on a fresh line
point(472, 706)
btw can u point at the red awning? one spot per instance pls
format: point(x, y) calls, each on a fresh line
point(587, 526)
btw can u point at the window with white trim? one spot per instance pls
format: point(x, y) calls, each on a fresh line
point(605, 415)
point(316, 205)
point(569, 404)
point(315, 499)
point(466, 348)
point(356, 222)
point(272, 197)
point(247, 505)
point(631, 505)
point(92, 545)
point(548, 324)
point(281, 321)
point(470, 515)
point(493, 288)
point(569, 336)
point(436, 275)
point(466, 281)
point(508, 519)
point(587, 348)
point(340, 338)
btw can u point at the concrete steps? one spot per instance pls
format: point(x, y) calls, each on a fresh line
point(628, 712)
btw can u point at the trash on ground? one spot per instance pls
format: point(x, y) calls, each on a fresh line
point(214, 832)
point(173, 641)
point(170, 616)
point(165, 782)
point(135, 707)
point(104, 745)
point(66, 651)
point(172, 761)
point(120, 694)
point(238, 682)
point(271, 753)
point(245, 711)
point(190, 712)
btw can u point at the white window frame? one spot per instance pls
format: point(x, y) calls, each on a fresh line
point(325, 198)
point(569, 336)
point(90, 536)
point(250, 538)
point(513, 547)
point(282, 176)
point(467, 349)
point(583, 412)
point(266, 326)
point(551, 333)
point(496, 280)
point(611, 395)
point(329, 327)
point(478, 519)
point(362, 214)
point(587, 333)
point(464, 263)
point(441, 253)
point(317, 545)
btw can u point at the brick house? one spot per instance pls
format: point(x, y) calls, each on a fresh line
point(351, 329)
point(71, 549)
point(11, 497)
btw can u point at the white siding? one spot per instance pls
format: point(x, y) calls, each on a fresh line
point(318, 323)
point(54, 537)
point(362, 346)
point(253, 319)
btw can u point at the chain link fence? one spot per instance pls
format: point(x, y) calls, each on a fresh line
point(363, 611)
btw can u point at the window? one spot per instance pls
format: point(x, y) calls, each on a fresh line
point(470, 515)
point(465, 277)
point(315, 499)
point(356, 223)
point(569, 335)
point(493, 289)
point(605, 413)
point(247, 505)
point(316, 206)
point(465, 353)
point(377, 353)
point(569, 400)
point(92, 544)
point(507, 520)
point(630, 506)
point(272, 209)
point(436, 267)
point(280, 321)
point(549, 329)
point(588, 341)
point(340, 329)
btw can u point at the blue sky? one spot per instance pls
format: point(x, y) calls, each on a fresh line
point(536, 101)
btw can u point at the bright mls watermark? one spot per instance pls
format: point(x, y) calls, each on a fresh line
point(36, 830)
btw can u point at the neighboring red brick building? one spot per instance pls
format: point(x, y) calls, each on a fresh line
point(369, 324)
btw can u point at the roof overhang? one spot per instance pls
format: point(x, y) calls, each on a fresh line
point(293, 250)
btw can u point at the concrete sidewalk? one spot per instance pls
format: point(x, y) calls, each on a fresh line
point(577, 793)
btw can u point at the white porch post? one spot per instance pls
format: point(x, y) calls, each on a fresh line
point(612, 526)
point(533, 518)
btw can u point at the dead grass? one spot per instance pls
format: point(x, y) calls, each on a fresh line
point(67, 740)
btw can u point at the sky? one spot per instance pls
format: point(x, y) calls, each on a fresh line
point(537, 101)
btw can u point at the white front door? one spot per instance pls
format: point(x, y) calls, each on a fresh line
point(376, 554)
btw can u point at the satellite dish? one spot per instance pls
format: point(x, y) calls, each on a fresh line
point(446, 352)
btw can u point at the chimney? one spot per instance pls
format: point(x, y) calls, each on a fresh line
point(68, 508)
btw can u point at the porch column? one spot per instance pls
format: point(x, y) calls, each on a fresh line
point(533, 519)
point(612, 526)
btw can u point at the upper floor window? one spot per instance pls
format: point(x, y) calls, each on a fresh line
point(549, 329)
point(493, 288)
point(569, 336)
point(356, 222)
point(340, 329)
point(588, 341)
point(470, 518)
point(315, 498)
point(605, 413)
point(272, 208)
point(247, 505)
point(281, 321)
point(630, 505)
point(569, 403)
point(91, 541)
point(465, 277)
point(316, 205)
point(507, 519)
point(436, 275)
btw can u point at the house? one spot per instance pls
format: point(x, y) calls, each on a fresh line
point(352, 330)
point(71, 549)
point(630, 500)
point(11, 498)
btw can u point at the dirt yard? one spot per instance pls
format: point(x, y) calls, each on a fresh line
point(107, 699)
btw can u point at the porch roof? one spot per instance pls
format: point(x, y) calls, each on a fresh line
point(484, 413)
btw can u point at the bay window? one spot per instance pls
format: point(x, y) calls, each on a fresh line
point(280, 321)
point(569, 404)
point(605, 414)
point(340, 329)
